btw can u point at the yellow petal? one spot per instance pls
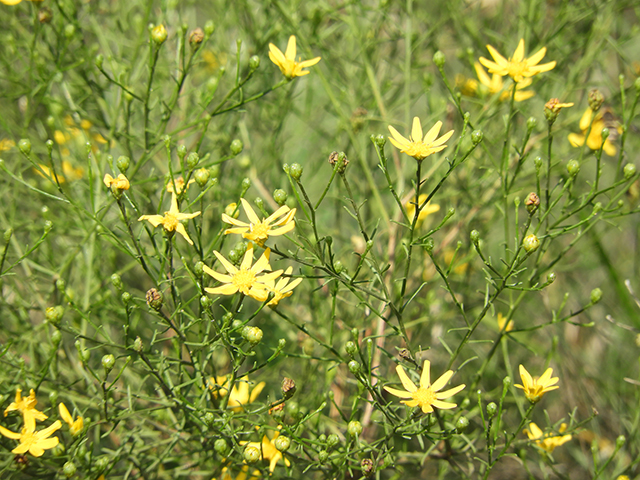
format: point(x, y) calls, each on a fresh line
point(518, 55)
point(416, 130)
point(536, 57)
point(432, 134)
point(290, 54)
point(500, 60)
point(425, 378)
point(64, 414)
point(442, 381)
point(398, 393)
point(406, 381)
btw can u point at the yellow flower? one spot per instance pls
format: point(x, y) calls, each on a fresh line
point(417, 146)
point(517, 67)
point(287, 61)
point(268, 451)
point(247, 278)
point(171, 220)
point(501, 324)
point(495, 85)
point(74, 426)
point(259, 230)
point(6, 144)
point(535, 388)
point(31, 441)
point(239, 396)
point(179, 185)
point(427, 210)
point(283, 288)
point(546, 441)
point(241, 476)
point(594, 142)
point(119, 183)
point(26, 406)
point(427, 396)
point(555, 106)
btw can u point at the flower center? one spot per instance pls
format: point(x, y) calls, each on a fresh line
point(516, 69)
point(260, 231)
point(244, 280)
point(424, 396)
point(170, 222)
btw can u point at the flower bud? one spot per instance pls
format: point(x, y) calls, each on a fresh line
point(154, 298)
point(181, 151)
point(333, 440)
point(192, 160)
point(354, 428)
point(323, 455)
point(439, 59)
point(280, 196)
point(573, 167)
point(7, 235)
point(492, 409)
point(596, 99)
point(196, 37)
point(69, 469)
point(476, 137)
point(254, 62)
point(137, 345)
point(123, 163)
point(56, 338)
point(596, 295)
point(338, 158)
point(209, 419)
point(462, 424)
point(429, 245)
point(24, 144)
point(251, 454)
point(254, 335)
point(69, 30)
point(221, 447)
point(366, 465)
point(209, 27)
point(620, 441)
point(53, 315)
point(338, 267)
point(380, 141)
point(532, 202)
point(198, 268)
point(202, 177)
point(282, 443)
point(236, 146)
point(246, 184)
point(354, 367)
point(102, 463)
point(288, 388)
point(125, 297)
point(530, 243)
point(48, 225)
point(605, 133)
point(551, 278)
point(116, 281)
point(351, 348)
point(45, 15)
point(531, 123)
point(159, 35)
point(475, 237)
point(629, 171)
point(597, 208)
point(108, 362)
point(295, 170)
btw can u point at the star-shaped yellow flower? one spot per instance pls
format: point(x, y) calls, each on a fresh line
point(26, 406)
point(246, 279)
point(495, 85)
point(239, 396)
point(594, 142)
point(75, 426)
point(31, 441)
point(268, 451)
point(535, 388)
point(428, 395)
point(417, 146)
point(282, 289)
point(517, 67)
point(547, 441)
point(287, 61)
point(278, 223)
point(171, 219)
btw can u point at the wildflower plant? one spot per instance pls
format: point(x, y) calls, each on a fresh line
point(342, 238)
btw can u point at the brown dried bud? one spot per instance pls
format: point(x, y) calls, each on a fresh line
point(532, 202)
point(155, 298)
point(195, 38)
point(596, 99)
point(45, 15)
point(276, 409)
point(367, 467)
point(288, 387)
point(341, 158)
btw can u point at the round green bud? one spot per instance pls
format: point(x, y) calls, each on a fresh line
point(597, 208)
point(61, 285)
point(24, 144)
point(108, 362)
point(137, 345)
point(332, 440)
point(98, 61)
point(56, 338)
point(198, 269)
point(125, 297)
point(254, 62)
point(551, 277)
point(354, 367)
point(474, 236)
point(259, 203)
point(573, 167)
point(227, 317)
point(123, 163)
point(48, 225)
point(53, 397)
point(293, 409)
point(116, 281)
point(492, 409)
point(605, 134)
point(202, 177)
point(209, 27)
point(439, 59)
point(205, 301)
point(236, 146)
point(338, 267)
point(241, 247)
point(221, 447)
point(192, 160)
point(629, 171)
point(462, 424)
point(537, 162)
point(102, 463)
point(282, 443)
point(476, 137)
point(159, 35)
point(53, 315)
point(181, 151)
point(620, 441)
point(530, 243)
point(322, 438)
point(323, 455)
point(49, 144)
point(380, 141)
point(531, 123)
point(69, 469)
point(295, 170)
point(8, 233)
point(254, 335)
point(351, 348)
point(429, 245)
point(209, 418)
point(69, 30)
point(354, 428)
point(246, 184)
point(282, 343)
point(280, 196)
point(596, 295)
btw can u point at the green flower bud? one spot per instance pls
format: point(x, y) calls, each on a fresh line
point(354, 428)
point(573, 167)
point(295, 170)
point(24, 144)
point(366, 465)
point(462, 424)
point(159, 35)
point(61, 285)
point(476, 137)
point(192, 160)
point(597, 208)
point(69, 30)
point(205, 301)
point(246, 184)
point(254, 62)
point(155, 298)
point(196, 37)
point(209, 27)
point(53, 397)
point(181, 151)
point(108, 362)
point(202, 177)
point(254, 335)
point(629, 171)
point(53, 315)
point(354, 367)
point(531, 123)
point(123, 163)
point(323, 455)
point(282, 343)
point(439, 59)
point(429, 245)
point(209, 419)
point(338, 267)
point(198, 269)
point(221, 447)
point(537, 162)
point(69, 469)
point(596, 99)
point(333, 440)
point(125, 297)
point(380, 141)
point(236, 146)
point(551, 278)
point(102, 463)
point(137, 345)
point(116, 281)
point(280, 196)
point(282, 443)
point(530, 243)
point(351, 348)
point(596, 295)
point(620, 441)
point(85, 355)
point(8, 233)
point(605, 133)
point(492, 409)
point(56, 338)
point(48, 225)
point(49, 144)
point(475, 237)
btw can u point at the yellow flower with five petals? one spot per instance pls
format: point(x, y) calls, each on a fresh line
point(171, 220)
point(495, 85)
point(547, 441)
point(287, 61)
point(282, 289)
point(417, 146)
point(535, 388)
point(32, 441)
point(428, 395)
point(26, 406)
point(517, 67)
point(278, 223)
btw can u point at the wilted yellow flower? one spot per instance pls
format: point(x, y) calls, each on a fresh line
point(171, 220)
point(268, 451)
point(243, 475)
point(547, 441)
point(594, 142)
point(259, 230)
point(517, 67)
point(75, 426)
point(427, 396)
point(26, 406)
point(535, 388)
point(282, 289)
point(246, 279)
point(31, 441)
point(417, 146)
point(6, 144)
point(427, 210)
point(501, 322)
point(287, 61)
point(179, 185)
point(240, 395)
point(119, 183)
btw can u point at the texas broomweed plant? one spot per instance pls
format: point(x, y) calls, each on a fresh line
point(290, 330)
